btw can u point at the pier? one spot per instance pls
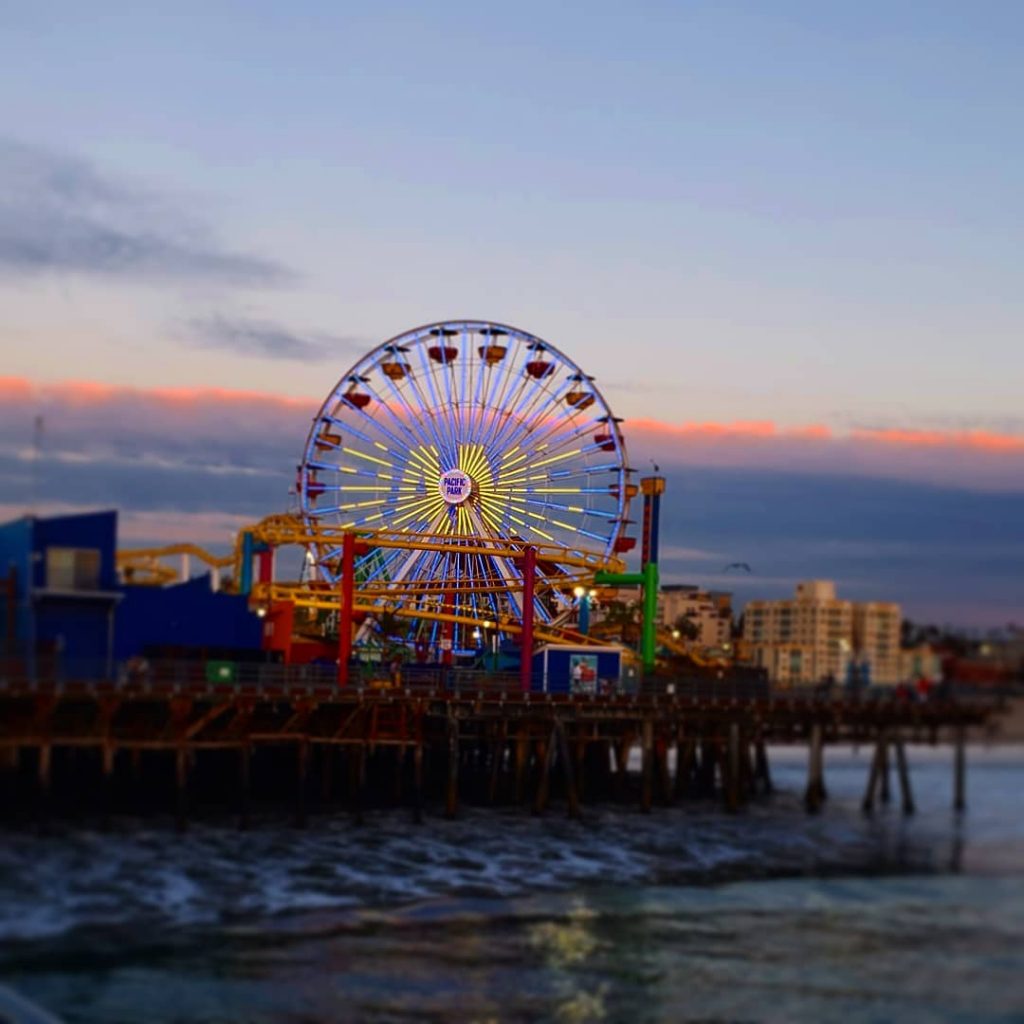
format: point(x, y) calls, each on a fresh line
point(174, 742)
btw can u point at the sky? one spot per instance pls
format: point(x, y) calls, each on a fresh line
point(785, 238)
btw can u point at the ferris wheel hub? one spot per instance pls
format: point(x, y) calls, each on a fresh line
point(455, 486)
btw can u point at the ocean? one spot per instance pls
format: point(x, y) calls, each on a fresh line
point(686, 914)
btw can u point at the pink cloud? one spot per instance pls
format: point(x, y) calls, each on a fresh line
point(87, 415)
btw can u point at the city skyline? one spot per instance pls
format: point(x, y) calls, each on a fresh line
point(783, 241)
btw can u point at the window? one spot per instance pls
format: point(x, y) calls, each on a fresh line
point(73, 568)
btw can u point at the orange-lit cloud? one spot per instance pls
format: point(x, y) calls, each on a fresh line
point(229, 426)
point(741, 430)
point(82, 392)
point(982, 440)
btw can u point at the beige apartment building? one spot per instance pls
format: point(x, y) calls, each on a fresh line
point(709, 610)
point(815, 635)
point(876, 635)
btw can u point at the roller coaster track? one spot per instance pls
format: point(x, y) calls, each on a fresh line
point(144, 565)
point(560, 569)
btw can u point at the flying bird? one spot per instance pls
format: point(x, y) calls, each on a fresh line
point(738, 565)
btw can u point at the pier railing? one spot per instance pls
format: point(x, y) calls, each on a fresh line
point(213, 675)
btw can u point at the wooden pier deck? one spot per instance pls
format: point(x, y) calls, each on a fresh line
point(176, 744)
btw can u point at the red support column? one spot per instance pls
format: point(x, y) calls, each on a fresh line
point(265, 561)
point(348, 579)
point(526, 648)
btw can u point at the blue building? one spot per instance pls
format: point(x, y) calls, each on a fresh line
point(65, 614)
point(61, 593)
point(185, 620)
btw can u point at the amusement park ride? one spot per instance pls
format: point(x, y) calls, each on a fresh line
point(463, 479)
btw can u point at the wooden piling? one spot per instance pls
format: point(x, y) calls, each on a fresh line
point(665, 790)
point(621, 752)
point(815, 794)
point(647, 764)
point(522, 757)
point(731, 782)
point(581, 769)
point(874, 776)
point(686, 755)
point(417, 782)
point(301, 781)
point(568, 769)
point(181, 787)
point(400, 756)
point(357, 779)
point(45, 774)
point(244, 784)
point(545, 758)
point(451, 805)
point(328, 753)
point(906, 796)
point(885, 794)
point(762, 770)
point(497, 762)
point(959, 772)
point(107, 786)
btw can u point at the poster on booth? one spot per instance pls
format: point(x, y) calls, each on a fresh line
point(583, 672)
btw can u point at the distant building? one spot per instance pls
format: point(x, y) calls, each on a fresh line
point(815, 636)
point(876, 639)
point(920, 662)
point(709, 610)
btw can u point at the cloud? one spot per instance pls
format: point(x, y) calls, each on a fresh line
point(267, 339)
point(59, 214)
point(978, 459)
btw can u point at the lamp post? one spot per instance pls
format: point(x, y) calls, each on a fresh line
point(491, 628)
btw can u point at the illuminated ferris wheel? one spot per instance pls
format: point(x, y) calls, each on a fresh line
point(463, 430)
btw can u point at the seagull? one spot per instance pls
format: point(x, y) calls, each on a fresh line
point(738, 565)
point(657, 468)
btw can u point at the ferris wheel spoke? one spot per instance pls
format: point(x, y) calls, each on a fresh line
point(555, 433)
point(415, 421)
point(424, 414)
point(346, 426)
point(346, 401)
point(499, 384)
point(446, 403)
point(503, 423)
point(559, 431)
point(524, 408)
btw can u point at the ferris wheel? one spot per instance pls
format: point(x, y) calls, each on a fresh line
point(467, 430)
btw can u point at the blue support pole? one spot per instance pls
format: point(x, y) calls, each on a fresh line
point(245, 583)
point(584, 624)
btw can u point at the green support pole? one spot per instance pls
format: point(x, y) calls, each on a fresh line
point(648, 643)
point(648, 580)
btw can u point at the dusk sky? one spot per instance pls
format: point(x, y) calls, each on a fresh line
point(785, 238)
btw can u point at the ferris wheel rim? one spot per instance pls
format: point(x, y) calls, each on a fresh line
point(570, 425)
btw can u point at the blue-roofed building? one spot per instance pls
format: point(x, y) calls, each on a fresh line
point(61, 593)
point(66, 615)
